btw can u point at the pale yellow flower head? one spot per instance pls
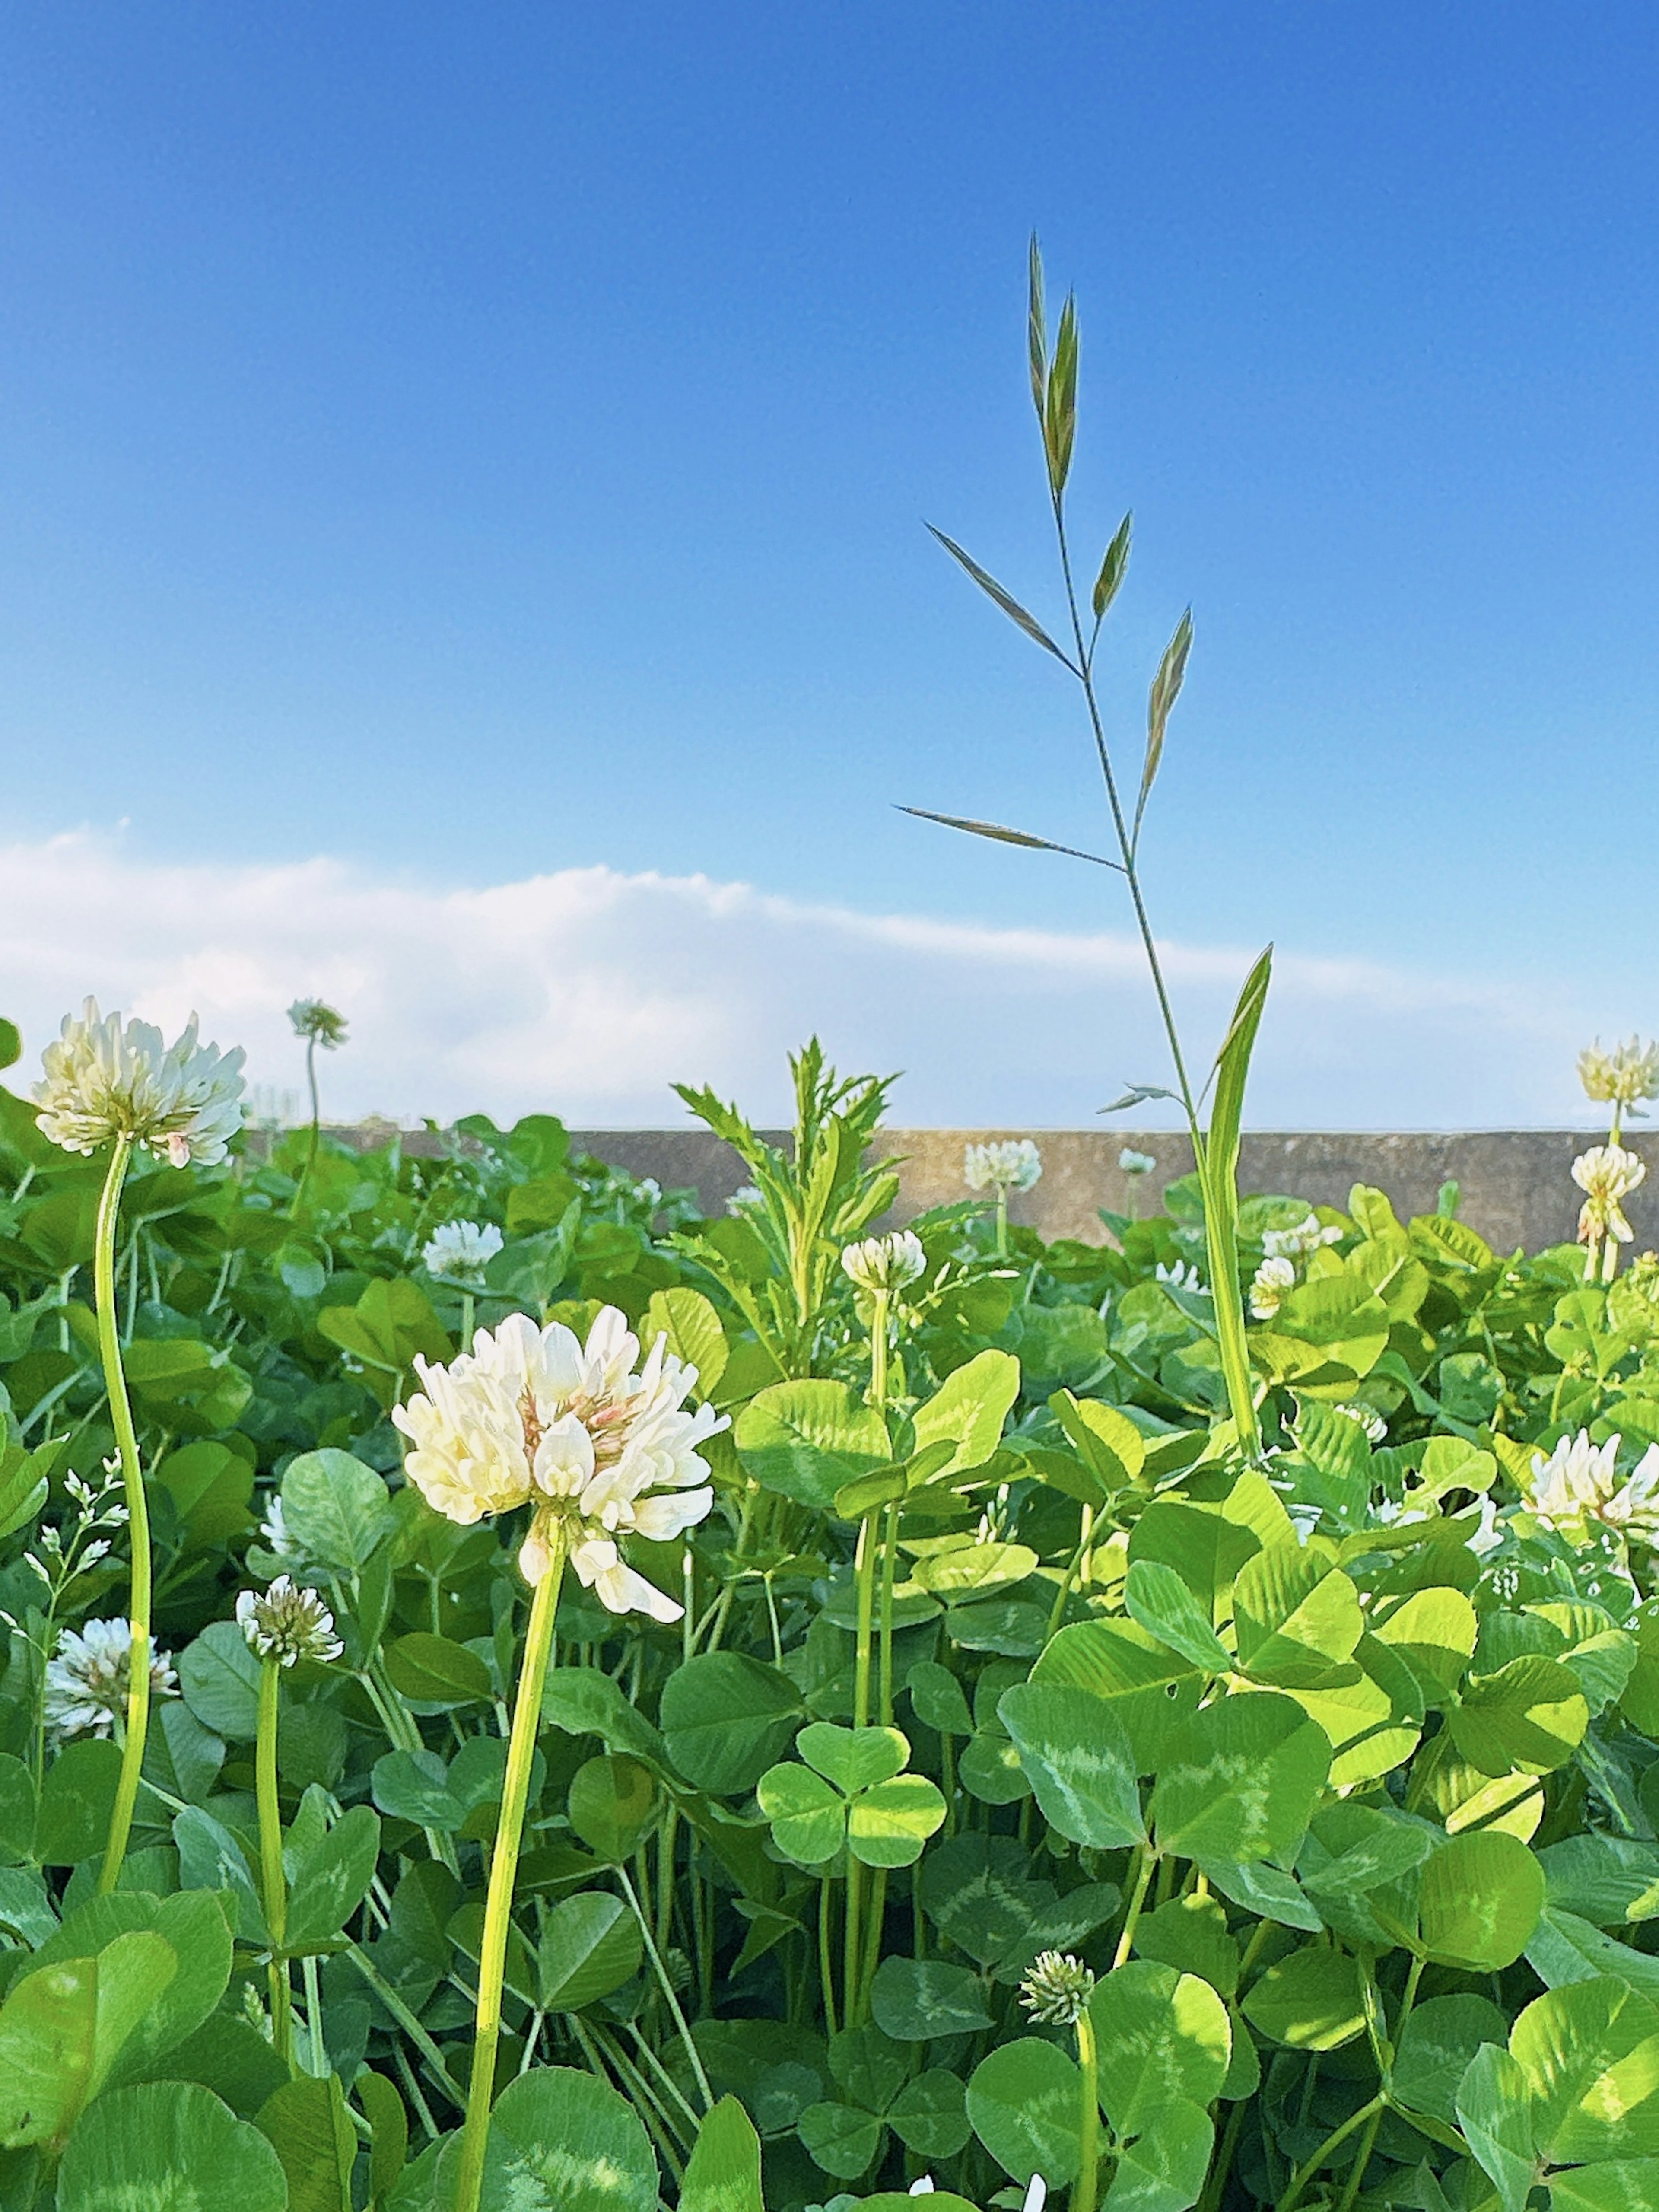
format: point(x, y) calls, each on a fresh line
point(1011, 1165)
point(182, 1101)
point(1607, 1174)
point(1623, 1076)
point(597, 1442)
point(1268, 1285)
point(885, 1263)
point(1578, 1485)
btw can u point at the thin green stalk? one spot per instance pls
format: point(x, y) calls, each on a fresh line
point(1137, 1899)
point(313, 1979)
point(880, 1302)
point(863, 1572)
point(826, 1977)
point(132, 1479)
point(1305, 2173)
point(668, 1988)
point(889, 1564)
point(503, 1871)
point(1087, 2186)
point(273, 1882)
point(406, 2019)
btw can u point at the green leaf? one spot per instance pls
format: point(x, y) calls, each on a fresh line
point(1164, 2169)
point(591, 1945)
point(723, 2173)
point(999, 835)
point(852, 1759)
point(1240, 1779)
point(1190, 1933)
point(1530, 1714)
point(436, 1671)
point(168, 2147)
point(808, 1815)
point(582, 1701)
point(929, 2115)
point(1060, 400)
point(306, 2124)
point(414, 1785)
point(1022, 2104)
point(693, 1329)
point(1221, 1185)
point(1205, 1547)
point(383, 2108)
point(1009, 605)
point(1436, 2046)
point(1112, 568)
point(1312, 2000)
point(1264, 1890)
point(1157, 1597)
point(336, 1508)
point(76, 1797)
point(23, 1487)
point(219, 1680)
point(888, 1824)
point(968, 1410)
point(1624, 2184)
point(1108, 1441)
point(807, 1440)
point(1494, 2110)
point(1478, 1900)
point(333, 1881)
point(1166, 689)
point(1590, 2056)
point(841, 2138)
point(1159, 2035)
point(916, 2000)
point(612, 1805)
point(1077, 1758)
point(560, 2141)
point(1150, 1688)
point(1297, 1617)
point(193, 1924)
point(727, 1718)
point(937, 1698)
point(63, 2027)
point(17, 1811)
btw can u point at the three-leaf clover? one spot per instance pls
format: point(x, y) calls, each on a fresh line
point(852, 1790)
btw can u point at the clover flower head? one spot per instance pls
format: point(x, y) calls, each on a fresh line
point(1578, 1485)
point(1366, 1418)
point(1175, 1277)
point(744, 1199)
point(1133, 1162)
point(597, 1440)
point(1606, 1175)
point(1056, 1989)
point(1012, 1164)
point(1296, 1244)
point(460, 1251)
point(885, 1263)
point(1623, 1076)
point(87, 1678)
point(182, 1101)
point(318, 1023)
point(1268, 1285)
point(288, 1623)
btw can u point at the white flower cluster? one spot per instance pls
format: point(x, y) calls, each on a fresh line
point(1011, 1165)
point(287, 1624)
point(1175, 1277)
point(318, 1023)
point(1133, 1162)
point(1579, 1484)
point(1606, 1175)
point(1298, 1242)
point(885, 1263)
point(182, 1101)
point(87, 1678)
point(1268, 1285)
point(1628, 1073)
point(460, 1251)
point(600, 1447)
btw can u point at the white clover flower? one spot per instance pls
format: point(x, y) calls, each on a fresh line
point(460, 1251)
point(1623, 1076)
point(599, 1446)
point(1175, 1277)
point(1056, 1988)
point(288, 1623)
point(1366, 1418)
point(183, 1102)
point(1296, 1244)
point(1268, 1285)
point(318, 1023)
point(1607, 1174)
point(1578, 1483)
point(885, 1263)
point(1011, 1165)
point(744, 1199)
point(87, 1678)
point(1487, 1534)
point(1133, 1162)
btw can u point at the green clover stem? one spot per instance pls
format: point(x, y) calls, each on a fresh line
point(1137, 1899)
point(273, 1882)
point(1087, 2187)
point(132, 1478)
point(504, 1872)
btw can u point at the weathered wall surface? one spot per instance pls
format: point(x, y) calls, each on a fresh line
point(1517, 1183)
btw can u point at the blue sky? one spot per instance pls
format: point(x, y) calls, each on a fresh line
point(473, 445)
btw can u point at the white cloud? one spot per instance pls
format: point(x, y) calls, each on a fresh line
point(587, 992)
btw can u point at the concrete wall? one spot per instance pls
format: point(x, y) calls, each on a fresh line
point(1517, 1183)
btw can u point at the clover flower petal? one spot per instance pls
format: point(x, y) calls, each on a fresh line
point(105, 1079)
